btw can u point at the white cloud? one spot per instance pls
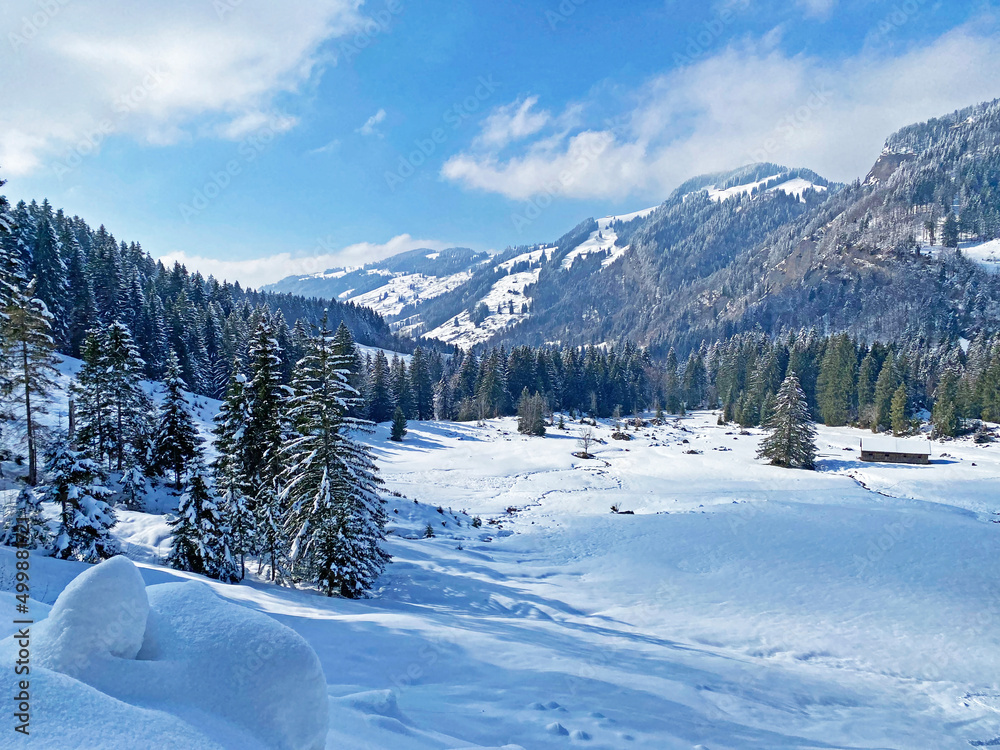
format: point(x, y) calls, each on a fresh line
point(371, 124)
point(256, 272)
point(818, 8)
point(748, 103)
point(512, 122)
point(74, 73)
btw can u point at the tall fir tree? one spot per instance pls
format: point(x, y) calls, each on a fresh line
point(113, 412)
point(28, 350)
point(176, 443)
point(336, 519)
point(836, 385)
point(200, 532)
point(76, 484)
point(421, 386)
point(380, 404)
point(792, 438)
point(900, 412)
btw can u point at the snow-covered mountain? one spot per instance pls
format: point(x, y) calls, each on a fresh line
point(392, 285)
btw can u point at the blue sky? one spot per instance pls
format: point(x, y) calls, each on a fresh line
point(254, 141)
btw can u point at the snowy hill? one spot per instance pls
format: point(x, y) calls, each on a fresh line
point(737, 605)
point(389, 286)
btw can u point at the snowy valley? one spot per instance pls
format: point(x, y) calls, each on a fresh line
point(727, 604)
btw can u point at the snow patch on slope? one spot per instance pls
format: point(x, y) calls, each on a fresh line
point(462, 331)
point(399, 291)
point(603, 239)
point(986, 254)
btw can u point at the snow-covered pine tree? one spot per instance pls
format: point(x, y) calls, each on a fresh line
point(29, 356)
point(380, 404)
point(399, 386)
point(176, 443)
point(240, 522)
point(76, 483)
point(113, 412)
point(792, 438)
point(259, 443)
point(133, 488)
point(200, 541)
point(49, 272)
point(398, 431)
point(336, 519)
point(27, 527)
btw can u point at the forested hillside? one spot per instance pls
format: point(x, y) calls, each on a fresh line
point(86, 277)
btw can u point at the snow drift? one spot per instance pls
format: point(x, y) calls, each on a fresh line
point(171, 665)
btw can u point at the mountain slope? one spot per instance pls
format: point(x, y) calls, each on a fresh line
point(730, 252)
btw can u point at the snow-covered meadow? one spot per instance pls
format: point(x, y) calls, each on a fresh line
point(736, 606)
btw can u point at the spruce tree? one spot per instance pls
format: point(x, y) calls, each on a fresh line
point(791, 442)
point(900, 416)
point(200, 542)
point(114, 413)
point(398, 425)
point(421, 386)
point(335, 520)
point(837, 383)
point(176, 442)
point(944, 415)
point(76, 484)
point(380, 405)
point(27, 527)
point(28, 350)
point(400, 388)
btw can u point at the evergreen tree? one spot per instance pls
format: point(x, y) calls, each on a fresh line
point(76, 483)
point(380, 403)
point(176, 443)
point(531, 413)
point(49, 272)
point(837, 384)
point(889, 379)
point(200, 542)
point(398, 425)
point(443, 400)
point(949, 233)
point(900, 416)
point(114, 412)
point(791, 442)
point(27, 527)
point(944, 415)
point(28, 350)
point(399, 385)
point(335, 519)
point(421, 386)
point(672, 385)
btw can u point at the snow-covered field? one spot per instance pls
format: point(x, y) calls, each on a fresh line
point(738, 606)
point(986, 254)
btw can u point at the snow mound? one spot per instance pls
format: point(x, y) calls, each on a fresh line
point(100, 615)
point(239, 664)
point(171, 665)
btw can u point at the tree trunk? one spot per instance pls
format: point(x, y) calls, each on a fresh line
point(29, 425)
